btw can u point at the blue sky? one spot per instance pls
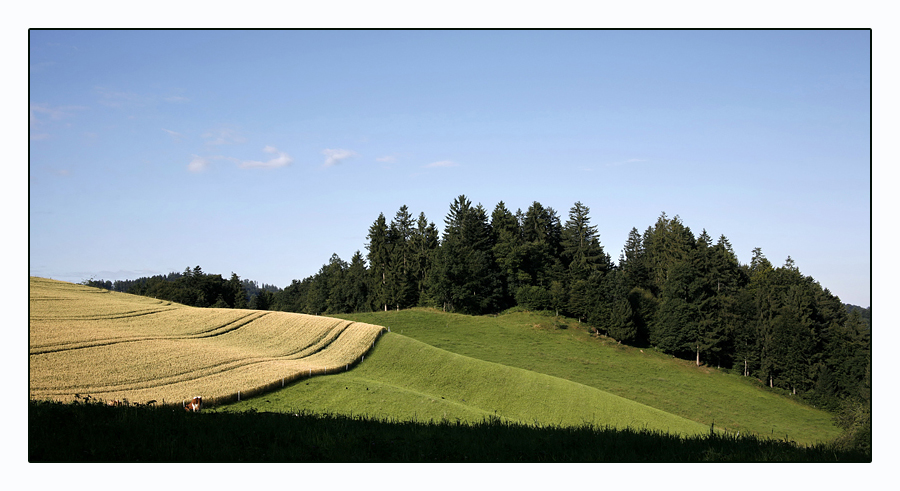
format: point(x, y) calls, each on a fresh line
point(264, 152)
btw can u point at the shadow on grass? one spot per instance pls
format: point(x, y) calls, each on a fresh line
point(91, 432)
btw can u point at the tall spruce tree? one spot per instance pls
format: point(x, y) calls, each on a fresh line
point(356, 285)
point(424, 245)
point(467, 279)
point(665, 243)
point(317, 294)
point(620, 315)
point(634, 281)
point(724, 280)
point(760, 314)
point(541, 259)
point(676, 326)
point(236, 292)
point(707, 333)
point(380, 251)
point(631, 262)
point(582, 257)
point(335, 286)
point(403, 289)
point(581, 249)
point(673, 280)
point(507, 252)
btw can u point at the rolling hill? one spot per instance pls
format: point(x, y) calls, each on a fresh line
point(405, 379)
point(540, 343)
point(520, 367)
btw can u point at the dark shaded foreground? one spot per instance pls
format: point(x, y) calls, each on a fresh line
point(91, 432)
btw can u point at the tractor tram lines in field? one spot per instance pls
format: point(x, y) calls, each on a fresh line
point(109, 347)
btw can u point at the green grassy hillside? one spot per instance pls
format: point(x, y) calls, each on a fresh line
point(531, 341)
point(405, 379)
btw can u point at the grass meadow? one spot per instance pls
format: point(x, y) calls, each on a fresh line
point(535, 342)
point(408, 380)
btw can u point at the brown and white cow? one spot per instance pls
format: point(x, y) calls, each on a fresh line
point(194, 405)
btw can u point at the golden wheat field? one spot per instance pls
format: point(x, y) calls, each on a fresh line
point(116, 346)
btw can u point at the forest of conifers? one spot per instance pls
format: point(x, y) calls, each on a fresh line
point(683, 295)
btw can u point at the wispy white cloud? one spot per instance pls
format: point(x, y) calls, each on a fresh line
point(54, 113)
point(387, 158)
point(334, 156)
point(118, 99)
point(198, 164)
point(441, 163)
point(281, 160)
point(222, 136)
point(40, 116)
point(174, 134)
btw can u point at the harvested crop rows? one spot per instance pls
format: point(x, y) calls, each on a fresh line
point(110, 345)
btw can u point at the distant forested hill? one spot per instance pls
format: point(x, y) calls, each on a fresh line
point(865, 314)
point(195, 288)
